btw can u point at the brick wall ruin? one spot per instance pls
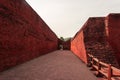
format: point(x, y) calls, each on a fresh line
point(23, 34)
point(92, 39)
point(78, 46)
point(113, 33)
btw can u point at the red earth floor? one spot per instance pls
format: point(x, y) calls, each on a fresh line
point(57, 65)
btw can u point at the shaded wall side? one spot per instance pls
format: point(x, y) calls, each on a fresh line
point(78, 46)
point(113, 26)
point(23, 34)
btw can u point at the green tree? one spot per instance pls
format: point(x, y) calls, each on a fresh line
point(61, 38)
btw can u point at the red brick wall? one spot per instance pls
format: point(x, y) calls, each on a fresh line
point(23, 34)
point(89, 36)
point(92, 39)
point(96, 41)
point(78, 46)
point(113, 30)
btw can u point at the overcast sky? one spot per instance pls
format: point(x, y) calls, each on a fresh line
point(66, 17)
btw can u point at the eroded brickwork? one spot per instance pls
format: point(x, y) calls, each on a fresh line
point(113, 33)
point(93, 40)
point(23, 34)
point(78, 46)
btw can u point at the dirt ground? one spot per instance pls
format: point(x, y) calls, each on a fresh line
point(57, 65)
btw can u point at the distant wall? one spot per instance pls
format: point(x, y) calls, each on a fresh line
point(23, 34)
point(66, 45)
point(113, 33)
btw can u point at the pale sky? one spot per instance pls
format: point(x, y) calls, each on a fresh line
point(66, 17)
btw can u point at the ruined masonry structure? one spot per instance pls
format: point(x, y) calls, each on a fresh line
point(113, 33)
point(92, 39)
point(23, 34)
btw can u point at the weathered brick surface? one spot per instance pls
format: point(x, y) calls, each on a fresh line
point(113, 33)
point(23, 34)
point(78, 46)
point(92, 39)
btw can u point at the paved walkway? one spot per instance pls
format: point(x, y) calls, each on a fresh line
point(58, 65)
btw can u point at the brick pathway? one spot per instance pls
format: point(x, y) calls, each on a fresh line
point(58, 65)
